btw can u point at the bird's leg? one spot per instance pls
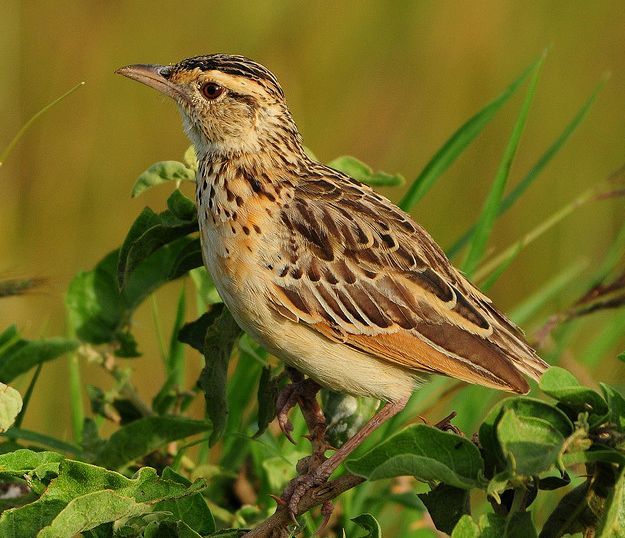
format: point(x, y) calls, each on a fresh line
point(317, 476)
point(304, 392)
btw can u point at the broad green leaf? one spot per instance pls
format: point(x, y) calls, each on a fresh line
point(89, 511)
point(162, 172)
point(345, 415)
point(426, 453)
point(562, 385)
point(466, 528)
point(143, 436)
point(268, 392)
point(621, 356)
point(536, 169)
point(96, 309)
point(362, 172)
point(170, 529)
point(194, 332)
point(219, 342)
point(570, 515)
point(531, 445)
point(190, 158)
point(18, 355)
point(492, 204)
point(99, 312)
point(616, 403)
point(10, 406)
point(24, 461)
point(150, 231)
point(188, 258)
point(76, 480)
point(446, 505)
point(192, 509)
point(612, 524)
point(370, 524)
point(456, 144)
point(523, 407)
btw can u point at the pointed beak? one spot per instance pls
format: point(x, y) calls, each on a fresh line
point(155, 76)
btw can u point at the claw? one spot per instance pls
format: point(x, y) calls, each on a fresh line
point(279, 500)
point(326, 511)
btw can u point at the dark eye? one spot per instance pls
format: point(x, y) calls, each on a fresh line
point(211, 90)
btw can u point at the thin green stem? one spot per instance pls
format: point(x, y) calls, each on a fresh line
point(33, 119)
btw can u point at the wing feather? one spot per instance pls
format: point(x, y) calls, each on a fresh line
point(360, 271)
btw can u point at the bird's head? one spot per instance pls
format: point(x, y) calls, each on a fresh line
point(229, 104)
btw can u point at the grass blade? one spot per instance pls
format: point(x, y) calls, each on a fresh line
point(491, 265)
point(493, 201)
point(457, 143)
point(33, 119)
point(42, 439)
point(532, 304)
point(27, 396)
point(536, 169)
point(75, 394)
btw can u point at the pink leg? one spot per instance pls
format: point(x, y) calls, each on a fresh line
point(300, 485)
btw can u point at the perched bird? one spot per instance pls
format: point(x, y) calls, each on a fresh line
point(328, 275)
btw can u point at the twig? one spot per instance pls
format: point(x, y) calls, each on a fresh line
point(277, 525)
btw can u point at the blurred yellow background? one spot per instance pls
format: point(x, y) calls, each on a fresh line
point(386, 81)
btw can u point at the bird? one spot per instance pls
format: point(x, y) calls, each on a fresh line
point(328, 275)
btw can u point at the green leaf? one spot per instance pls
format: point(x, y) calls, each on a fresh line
point(446, 505)
point(570, 514)
point(268, 392)
point(190, 158)
point(466, 528)
point(188, 258)
point(143, 436)
point(532, 445)
point(616, 403)
point(612, 524)
point(456, 144)
point(162, 172)
point(536, 169)
point(24, 461)
point(194, 332)
point(426, 453)
point(18, 355)
point(492, 204)
point(219, 342)
point(370, 524)
point(10, 406)
point(192, 509)
point(523, 407)
point(562, 385)
point(99, 312)
point(96, 309)
point(89, 511)
point(621, 356)
point(150, 231)
point(362, 172)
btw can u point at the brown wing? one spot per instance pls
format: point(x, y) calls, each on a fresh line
point(357, 269)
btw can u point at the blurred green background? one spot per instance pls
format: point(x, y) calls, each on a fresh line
point(387, 82)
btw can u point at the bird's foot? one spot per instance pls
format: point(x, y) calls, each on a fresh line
point(303, 392)
point(300, 486)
